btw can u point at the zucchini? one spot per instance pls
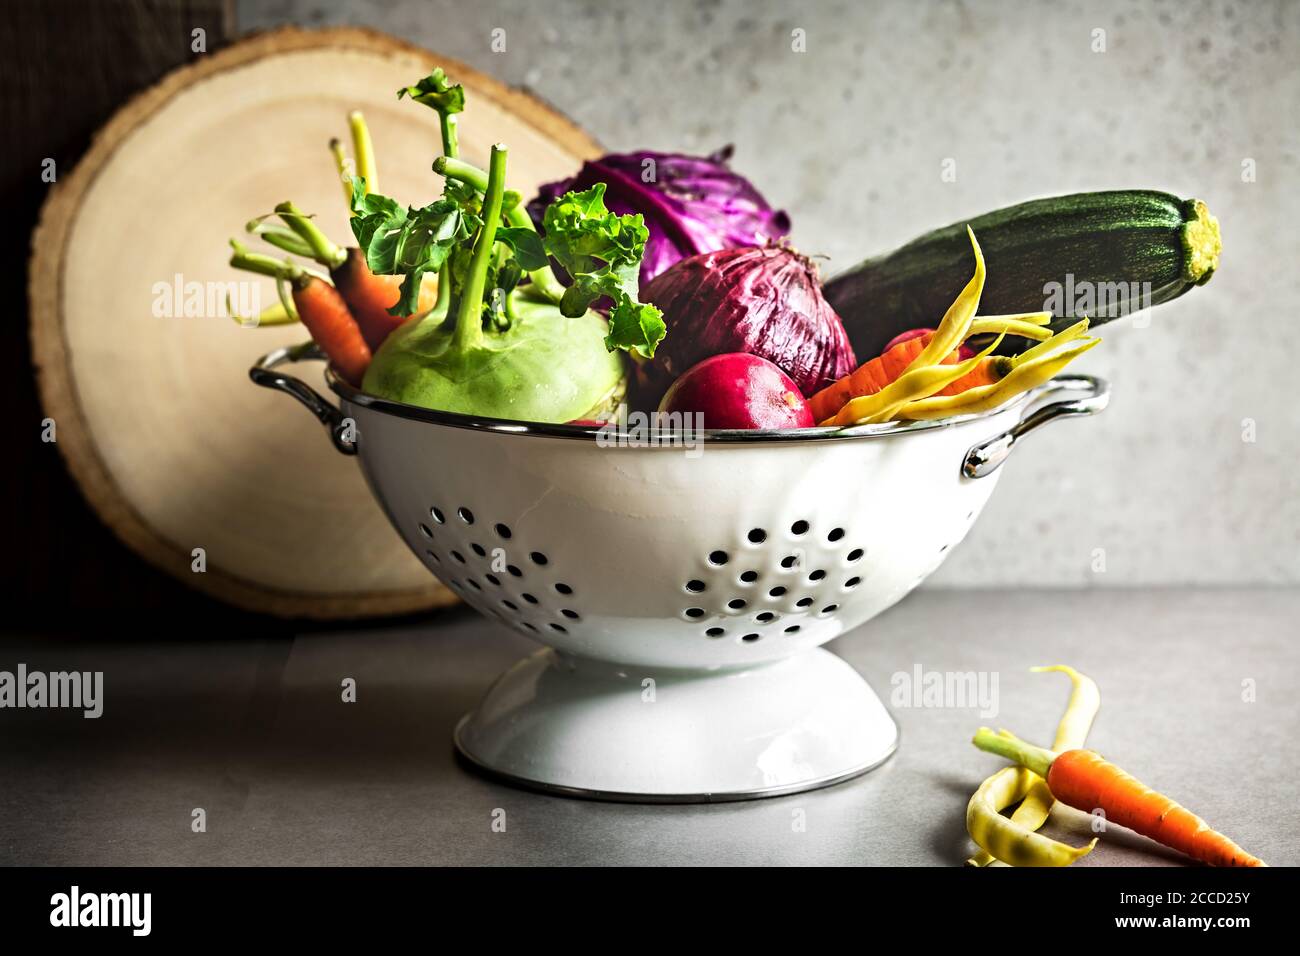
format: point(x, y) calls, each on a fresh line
point(1100, 254)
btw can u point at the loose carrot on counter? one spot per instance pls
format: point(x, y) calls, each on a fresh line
point(320, 308)
point(1084, 780)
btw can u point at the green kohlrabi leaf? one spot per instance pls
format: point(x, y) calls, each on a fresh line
point(527, 246)
point(586, 238)
point(436, 92)
point(601, 251)
point(407, 242)
point(368, 204)
point(634, 326)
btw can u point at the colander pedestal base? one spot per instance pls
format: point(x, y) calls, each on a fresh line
point(620, 732)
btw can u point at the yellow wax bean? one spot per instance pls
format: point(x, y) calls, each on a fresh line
point(916, 384)
point(987, 397)
point(1030, 789)
point(954, 328)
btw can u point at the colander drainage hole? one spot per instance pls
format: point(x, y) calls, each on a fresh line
point(424, 530)
point(790, 561)
point(717, 558)
point(436, 559)
point(830, 608)
point(792, 629)
point(437, 516)
point(694, 586)
point(799, 527)
point(765, 617)
point(695, 612)
point(458, 556)
point(502, 531)
point(715, 632)
point(514, 571)
point(559, 627)
point(757, 535)
point(749, 577)
point(529, 598)
point(855, 554)
point(538, 558)
point(563, 589)
point(528, 626)
point(571, 615)
point(943, 549)
point(852, 583)
point(474, 584)
point(817, 575)
point(510, 604)
point(466, 515)
point(803, 602)
point(776, 591)
point(493, 579)
point(835, 535)
point(478, 549)
point(751, 638)
point(737, 604)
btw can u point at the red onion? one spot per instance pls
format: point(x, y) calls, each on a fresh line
point(766, 301)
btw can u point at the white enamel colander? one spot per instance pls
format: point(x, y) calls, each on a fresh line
point(683, 593)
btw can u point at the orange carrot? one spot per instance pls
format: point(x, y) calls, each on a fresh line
point(871, 376)
point(325, 315)
point(370, 296)
point(989, 371)
point(1084, 780)
point(320, 307)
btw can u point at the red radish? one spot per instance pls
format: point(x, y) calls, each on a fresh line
point(739, 390)
point(963, 351)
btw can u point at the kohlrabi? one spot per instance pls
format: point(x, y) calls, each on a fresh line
point(507, 339)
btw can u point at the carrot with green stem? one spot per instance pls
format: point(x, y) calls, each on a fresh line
point(371, 297)
point(1084, 780)
point(319, 306)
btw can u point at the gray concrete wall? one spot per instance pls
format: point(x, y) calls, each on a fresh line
point(850, 135)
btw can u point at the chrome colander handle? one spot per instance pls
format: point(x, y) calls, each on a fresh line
point(265, 373)
point(986, 457)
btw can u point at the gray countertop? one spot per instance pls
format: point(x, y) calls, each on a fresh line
point(253, 731)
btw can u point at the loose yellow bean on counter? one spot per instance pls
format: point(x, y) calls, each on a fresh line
point(1009, 840)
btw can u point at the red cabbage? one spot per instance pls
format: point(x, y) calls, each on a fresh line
point(766, 301)
point(694, 204)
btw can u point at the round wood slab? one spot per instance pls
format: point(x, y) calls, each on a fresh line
point(171, 443)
